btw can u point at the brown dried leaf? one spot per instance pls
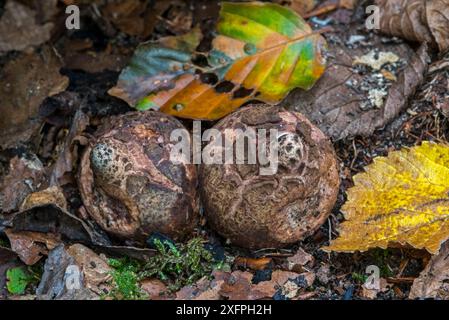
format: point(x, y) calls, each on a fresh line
point(45, 10)
point(237, 286)
point(52, 195)
point(44, 212)
point(371, 293)
point(134, 17)
point(299, 260)
point(19, 29)
point(69, 153)
point(25, 175)
point(154, 288)
point(31, 246)
point(285, 281)
point(252, 263)
point(93, 277)
point(416, 20)
point(95, 268)
point(51, 218)
point(204, 289)
point(26, 82)
point(345, 103)
point(433, 282)
point(79, 54)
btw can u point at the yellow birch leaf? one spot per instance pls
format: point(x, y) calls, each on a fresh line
point(399, 199)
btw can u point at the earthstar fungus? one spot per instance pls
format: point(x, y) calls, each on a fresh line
point(128, 183)
point(259, 211)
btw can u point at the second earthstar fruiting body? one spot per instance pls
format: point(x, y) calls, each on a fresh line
point(260, 211)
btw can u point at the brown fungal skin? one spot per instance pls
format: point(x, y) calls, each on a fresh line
point(128, 183)
point(269, 211)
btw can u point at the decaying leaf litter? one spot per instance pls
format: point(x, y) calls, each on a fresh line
point(375, 111)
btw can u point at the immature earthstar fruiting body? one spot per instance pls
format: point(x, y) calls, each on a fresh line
point(128, 183)
point(260, 211)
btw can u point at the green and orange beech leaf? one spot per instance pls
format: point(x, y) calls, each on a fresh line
point(261, 51)
point(401, 199)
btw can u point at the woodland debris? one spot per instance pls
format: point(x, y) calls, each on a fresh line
point(154, 288)
point(26, 81)
point(350, 100)
point(416, 20)
point(252, 263)
point(74, 272)
point(26, 175)
point(31, 246)
point(299, 260)
point(433, 282)
point(19, 29)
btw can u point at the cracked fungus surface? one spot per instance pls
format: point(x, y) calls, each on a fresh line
point(128, 183)
point(258, 211)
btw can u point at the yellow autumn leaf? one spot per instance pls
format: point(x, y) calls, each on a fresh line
point(399, 199)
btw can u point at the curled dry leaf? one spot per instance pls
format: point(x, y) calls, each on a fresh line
point(238, 285)
point(287, 283)
point(51, 218)
point(400, 199)
point(352, 100)
point(262, 51)
point(79, 54)
point(89, 274)
point(433, 281)
point(416, 20)
point(25, 175)
point(44, 212)
point(52, 195)
point(299, 260)
point(26, 81)
point(68, 155)
point(19, 29)
point(204, 289)
point(31, 246)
